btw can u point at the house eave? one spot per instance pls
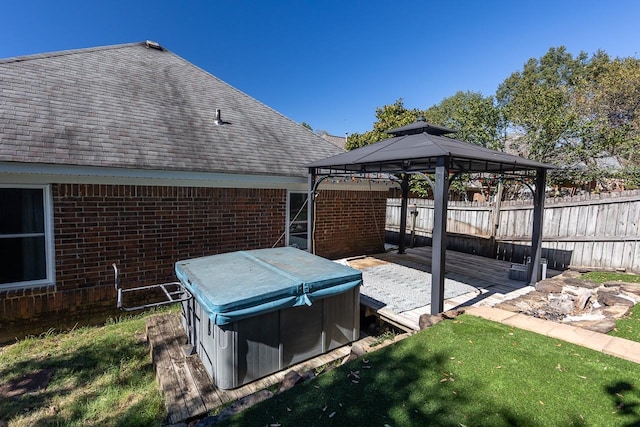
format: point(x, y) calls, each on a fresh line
point(12, 172)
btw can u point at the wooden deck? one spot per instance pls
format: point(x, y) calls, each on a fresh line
point(489, 276)
point(188, 390)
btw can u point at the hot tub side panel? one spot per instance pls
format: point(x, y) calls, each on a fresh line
point(246, 350)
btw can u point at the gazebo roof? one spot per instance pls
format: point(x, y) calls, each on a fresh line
point(416, 147)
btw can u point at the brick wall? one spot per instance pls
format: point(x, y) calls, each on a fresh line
point(350, 223)
point(145, 230)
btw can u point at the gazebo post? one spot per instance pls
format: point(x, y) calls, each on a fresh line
point(404, 186)
point(533, 272)
point(439, 240)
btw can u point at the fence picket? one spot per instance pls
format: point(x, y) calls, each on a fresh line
point(586, 231)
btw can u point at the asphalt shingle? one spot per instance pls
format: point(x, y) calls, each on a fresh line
point(131, 106)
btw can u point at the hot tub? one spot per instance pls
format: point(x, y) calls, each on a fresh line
point(257, 312)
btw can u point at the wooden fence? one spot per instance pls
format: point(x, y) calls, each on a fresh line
point(597, 231)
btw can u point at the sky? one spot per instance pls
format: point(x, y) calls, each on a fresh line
point(331, 63)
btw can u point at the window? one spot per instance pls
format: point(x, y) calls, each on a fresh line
point(297, 220)
point(26, 244)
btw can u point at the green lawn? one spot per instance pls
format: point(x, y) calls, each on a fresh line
point(466, 372)
point(99, 376)
point(463, 372)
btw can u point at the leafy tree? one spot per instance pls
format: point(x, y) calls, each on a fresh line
point(389, 117)
point(476, 118)
point(608, 102)
point(536, 103)
point(306, 125)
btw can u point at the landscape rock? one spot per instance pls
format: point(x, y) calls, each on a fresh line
point(549, 287)
point(630, 295)
point(509, 306)
point(427, 320)
point(567, 298)
point(582, 299)
point(580, 283)
point(452, 314)
point(562, 305)
point(610, 299)
point(616, 311)
point(603, 326)
point(633, 288)
point(356, 351)
point(290, 379)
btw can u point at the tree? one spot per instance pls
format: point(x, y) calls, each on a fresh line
point(476, 118)
point(389, 117)
point(536, 104)
point(608, 102)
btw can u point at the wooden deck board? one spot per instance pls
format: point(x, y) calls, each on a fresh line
point(188, 390)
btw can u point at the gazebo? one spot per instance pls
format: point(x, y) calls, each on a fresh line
point(423, 148)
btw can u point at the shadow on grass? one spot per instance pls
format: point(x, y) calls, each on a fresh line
point(619, 393)
point(409, 389)
point(107, 364)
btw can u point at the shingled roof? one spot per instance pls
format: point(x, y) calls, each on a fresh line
point(139, 106)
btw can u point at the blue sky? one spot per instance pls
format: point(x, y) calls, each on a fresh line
point(331, 63)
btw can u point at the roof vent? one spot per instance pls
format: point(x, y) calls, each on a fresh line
point(153, 45)
point(218, 120)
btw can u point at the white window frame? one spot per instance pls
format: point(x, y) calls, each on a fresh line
point(288, 224)
point(47, 205)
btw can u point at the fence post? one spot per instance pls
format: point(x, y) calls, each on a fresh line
point(495, 219)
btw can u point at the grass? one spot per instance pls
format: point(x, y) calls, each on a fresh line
point(605, 276)
point(458, 373)
point(627, 327)
point(99, 376)
point(466, 372)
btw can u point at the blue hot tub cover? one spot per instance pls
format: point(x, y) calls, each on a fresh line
point(237, 285)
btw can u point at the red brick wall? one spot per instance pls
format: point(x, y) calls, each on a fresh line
point(145, 230)
point(349, 223)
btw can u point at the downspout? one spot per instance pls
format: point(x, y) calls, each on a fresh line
point(311, 207)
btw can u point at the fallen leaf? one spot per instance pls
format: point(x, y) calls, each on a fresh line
point(498, 367)
point(582, 376)
point(541, 402)
point(444, 380)
point(365, 360)
point(452, 358)
point(332, 414)
point(324, 409)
